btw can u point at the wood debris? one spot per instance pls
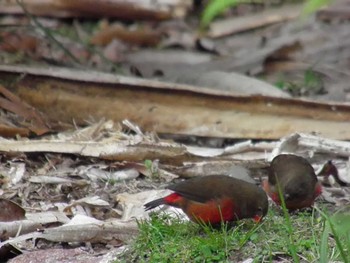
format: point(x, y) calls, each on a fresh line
point(223, 110)
point(122, 9)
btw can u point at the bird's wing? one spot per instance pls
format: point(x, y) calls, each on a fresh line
point(204, 189)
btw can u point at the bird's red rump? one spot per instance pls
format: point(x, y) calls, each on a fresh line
point(213, 212)
point(318, 190)
point(173, 199)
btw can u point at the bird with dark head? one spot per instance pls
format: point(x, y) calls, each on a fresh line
point(295, 178)
point(216, 198)
point(330, 175)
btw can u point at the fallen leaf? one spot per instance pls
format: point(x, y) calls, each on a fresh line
point(10, 211)
point(33, 119)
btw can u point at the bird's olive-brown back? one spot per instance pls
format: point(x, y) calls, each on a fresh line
point(295, 175)
point(285, 166)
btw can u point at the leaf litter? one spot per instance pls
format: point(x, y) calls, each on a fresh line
point(67, 203)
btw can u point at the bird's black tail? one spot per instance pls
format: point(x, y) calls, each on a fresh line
point(154, 204)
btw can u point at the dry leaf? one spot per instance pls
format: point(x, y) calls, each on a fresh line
point(132, 204)
point(142, 37)
point(33, 119)
point(10, 211)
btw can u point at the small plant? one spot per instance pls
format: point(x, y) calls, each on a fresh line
point(311, 84)
point(217, 7)
point(313, 81)
point(152, 167)
point(313, 5)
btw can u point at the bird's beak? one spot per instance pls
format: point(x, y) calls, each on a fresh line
point(257, 218)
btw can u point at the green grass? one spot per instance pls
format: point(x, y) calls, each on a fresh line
point(306, 237)
point(292, 247)
point(337, 225)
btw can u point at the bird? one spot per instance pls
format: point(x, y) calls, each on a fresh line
point(214, 199)
point(330, 175)
point(296, 179)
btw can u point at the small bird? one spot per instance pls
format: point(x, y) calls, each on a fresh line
point(297, 180)
point(330, 175)
point(216, 198)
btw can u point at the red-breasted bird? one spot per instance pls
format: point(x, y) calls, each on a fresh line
point(297, 180)
point(216, 198)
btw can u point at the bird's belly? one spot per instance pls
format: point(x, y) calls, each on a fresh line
point(213, 212)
